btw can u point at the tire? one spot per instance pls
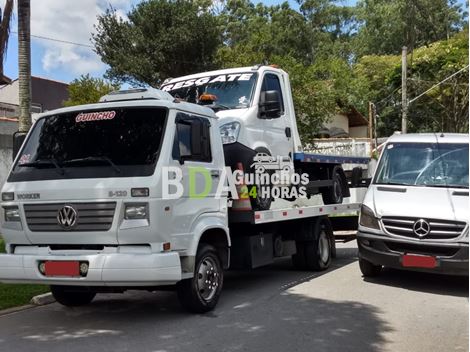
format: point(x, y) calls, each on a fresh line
point(298, 259)
point(368, 269)
point(334, 193)
point(71, 297)
point(196, 294)
point(318, 252)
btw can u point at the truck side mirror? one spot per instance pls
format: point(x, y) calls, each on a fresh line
point(18, 139)
point(196, 137)
point(270, 105)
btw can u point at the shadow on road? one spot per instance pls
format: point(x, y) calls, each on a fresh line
point(424, 282)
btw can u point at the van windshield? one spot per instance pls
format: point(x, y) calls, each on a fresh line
point(113, 142)
point(424, 164)
point(230, 91)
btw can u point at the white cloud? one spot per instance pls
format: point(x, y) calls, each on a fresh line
point(70, 21)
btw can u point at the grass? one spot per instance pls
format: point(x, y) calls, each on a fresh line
point(12, 295)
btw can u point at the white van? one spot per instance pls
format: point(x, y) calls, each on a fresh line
point(415, 213)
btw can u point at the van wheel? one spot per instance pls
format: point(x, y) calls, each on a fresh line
point(318, 252)
point(368, 269)
point(201, 293)
point(334, 193)
point(71, 297)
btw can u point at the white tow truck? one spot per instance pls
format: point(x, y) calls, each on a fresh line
point(257, 116)
point(86, 207)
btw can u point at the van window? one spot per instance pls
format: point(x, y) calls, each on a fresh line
point(424, 164)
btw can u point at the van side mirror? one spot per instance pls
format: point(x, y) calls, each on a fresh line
point(270, 105)
point(18, 139)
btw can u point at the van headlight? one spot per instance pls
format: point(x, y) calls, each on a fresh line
point(12, 213)
point(368, 219)
point(229, 132)
point(135, 211)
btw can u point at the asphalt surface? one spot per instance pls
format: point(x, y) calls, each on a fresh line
point(271, 309)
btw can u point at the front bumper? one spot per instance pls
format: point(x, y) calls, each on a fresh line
point(451, 258)
point(105, 269)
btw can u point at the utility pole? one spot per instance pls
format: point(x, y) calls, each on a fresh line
point(369, 132)
point(404, 100)
point(24, 65)
point(374, 114)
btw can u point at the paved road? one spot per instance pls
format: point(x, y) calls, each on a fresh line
point(271, 309)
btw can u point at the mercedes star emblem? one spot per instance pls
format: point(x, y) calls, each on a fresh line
point(421, 228)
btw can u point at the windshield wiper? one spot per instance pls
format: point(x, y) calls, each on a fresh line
point(42, 162)
point(94, 159)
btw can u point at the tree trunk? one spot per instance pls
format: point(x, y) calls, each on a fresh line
point(24, 64)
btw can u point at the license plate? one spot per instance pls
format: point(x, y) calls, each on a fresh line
point(418, 261)
point(62, 268)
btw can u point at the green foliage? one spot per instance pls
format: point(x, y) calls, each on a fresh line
point(338, 57)
point(161, 39)
point(387, 25)
point(87, 90)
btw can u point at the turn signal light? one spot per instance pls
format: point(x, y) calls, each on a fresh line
point(166, 246)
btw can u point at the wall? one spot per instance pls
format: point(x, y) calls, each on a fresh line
point(340, 121)
point(358, 132)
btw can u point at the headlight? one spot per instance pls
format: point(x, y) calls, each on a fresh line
point(136, 211)
point(368, 219)
point(229, 132)
point(12, 213)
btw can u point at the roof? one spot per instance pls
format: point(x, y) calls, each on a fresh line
point(429, 138)
point(183, 106)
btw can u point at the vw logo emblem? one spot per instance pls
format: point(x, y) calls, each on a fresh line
point(67, 217)
point(421, 228)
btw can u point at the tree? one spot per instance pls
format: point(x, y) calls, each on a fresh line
point(88, 90)
point(24, 64)
point(160, 39)
point(385, 26)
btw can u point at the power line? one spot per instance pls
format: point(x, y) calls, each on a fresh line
point(59, 40)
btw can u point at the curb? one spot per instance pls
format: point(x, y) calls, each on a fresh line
point(15, 309)
point(43, 299)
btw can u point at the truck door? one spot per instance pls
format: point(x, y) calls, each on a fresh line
point(201, 170)
point(275, 134)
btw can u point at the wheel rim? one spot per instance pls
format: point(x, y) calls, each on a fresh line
point(324, 248)
point(208, 278)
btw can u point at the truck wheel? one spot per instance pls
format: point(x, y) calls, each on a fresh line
point(298, 259)
point(333, 194)
point(67, 296)
point(201, 293)
point(318, 252)
point(368, 269)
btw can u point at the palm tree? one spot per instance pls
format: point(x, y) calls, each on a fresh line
point(24, 64)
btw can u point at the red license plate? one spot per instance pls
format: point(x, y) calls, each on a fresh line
point(418, 261)
point(62, 268)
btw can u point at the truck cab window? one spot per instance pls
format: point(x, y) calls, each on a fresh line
point(192, 139)
point(271, 82)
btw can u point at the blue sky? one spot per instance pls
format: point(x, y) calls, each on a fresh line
point(70, 21)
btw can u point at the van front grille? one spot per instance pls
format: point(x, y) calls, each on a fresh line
point(438, 229)
point(89, 216)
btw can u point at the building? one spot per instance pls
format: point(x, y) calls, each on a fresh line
point(351, 124)
point(46, 95)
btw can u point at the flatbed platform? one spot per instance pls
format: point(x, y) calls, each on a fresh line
point(329, 159)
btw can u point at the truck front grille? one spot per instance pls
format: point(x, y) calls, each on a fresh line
point(438, 229)
point(89, 216)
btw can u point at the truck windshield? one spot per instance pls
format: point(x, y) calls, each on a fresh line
point(230, 91)
point(424, 164)
point(115, 142)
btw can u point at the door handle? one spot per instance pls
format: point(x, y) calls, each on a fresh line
point(215, 173)
point(288, 132)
